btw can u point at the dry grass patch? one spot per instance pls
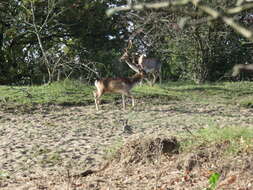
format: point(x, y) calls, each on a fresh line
point(146, 150)
point(157, 163)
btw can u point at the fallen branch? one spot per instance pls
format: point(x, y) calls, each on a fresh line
point(90, 172)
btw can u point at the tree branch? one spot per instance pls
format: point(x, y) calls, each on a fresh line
point(208, 10)
point(112, 11)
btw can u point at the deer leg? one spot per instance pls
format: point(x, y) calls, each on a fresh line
point(147, 79)
point(96, 98)
point(160, 76)
point(154, 78)
point(123, 102)
point(96, 105)
point(132, 97)
point(132, 101)
point(141, 82)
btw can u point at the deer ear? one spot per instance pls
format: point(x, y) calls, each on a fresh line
point(140, 59)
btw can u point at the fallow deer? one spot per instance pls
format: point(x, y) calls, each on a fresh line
point(237, 69)
point(122, 85)
point(150, 65)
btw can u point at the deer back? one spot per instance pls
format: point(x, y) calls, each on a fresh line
point(120, 84)
point(237, 69)
point(151, 64)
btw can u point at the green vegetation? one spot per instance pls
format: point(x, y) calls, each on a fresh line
point(235, 138)
point(213, 180)
point(50, 40)
point(210, 111)
point(69, 92)
point(42, 42)
point(66, 93)
point(111, 151)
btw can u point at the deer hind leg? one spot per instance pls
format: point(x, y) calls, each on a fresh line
point(154, 78)
point(160, 76)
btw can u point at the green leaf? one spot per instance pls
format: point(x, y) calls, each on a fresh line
point(213, 180)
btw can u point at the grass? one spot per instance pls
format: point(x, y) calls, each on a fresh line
point(238, 138)
point(111, 151)
point(225, 92)
point(64, 92)
point(70, 92)
point(189, 110)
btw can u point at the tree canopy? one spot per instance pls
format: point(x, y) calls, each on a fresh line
point(42, 41)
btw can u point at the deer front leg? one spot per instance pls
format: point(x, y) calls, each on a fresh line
point(147, 79)
point(132, 98)
point(123, 102)
point(141, 82)
point(132, 101)
point(96, 98)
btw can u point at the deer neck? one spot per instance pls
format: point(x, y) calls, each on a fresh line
point(141, 59)
point(136, 78)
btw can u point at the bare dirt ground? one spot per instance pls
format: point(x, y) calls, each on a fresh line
point(43, 147)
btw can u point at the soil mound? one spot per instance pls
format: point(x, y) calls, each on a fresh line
point(146, 150)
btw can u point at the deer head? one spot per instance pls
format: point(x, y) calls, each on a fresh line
point(130, 59)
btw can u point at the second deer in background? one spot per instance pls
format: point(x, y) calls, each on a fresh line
point(151, 66)
point(239, 68)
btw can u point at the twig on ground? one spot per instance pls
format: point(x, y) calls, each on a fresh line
point(90, 172)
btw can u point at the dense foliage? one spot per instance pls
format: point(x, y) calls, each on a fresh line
point(43, 41)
